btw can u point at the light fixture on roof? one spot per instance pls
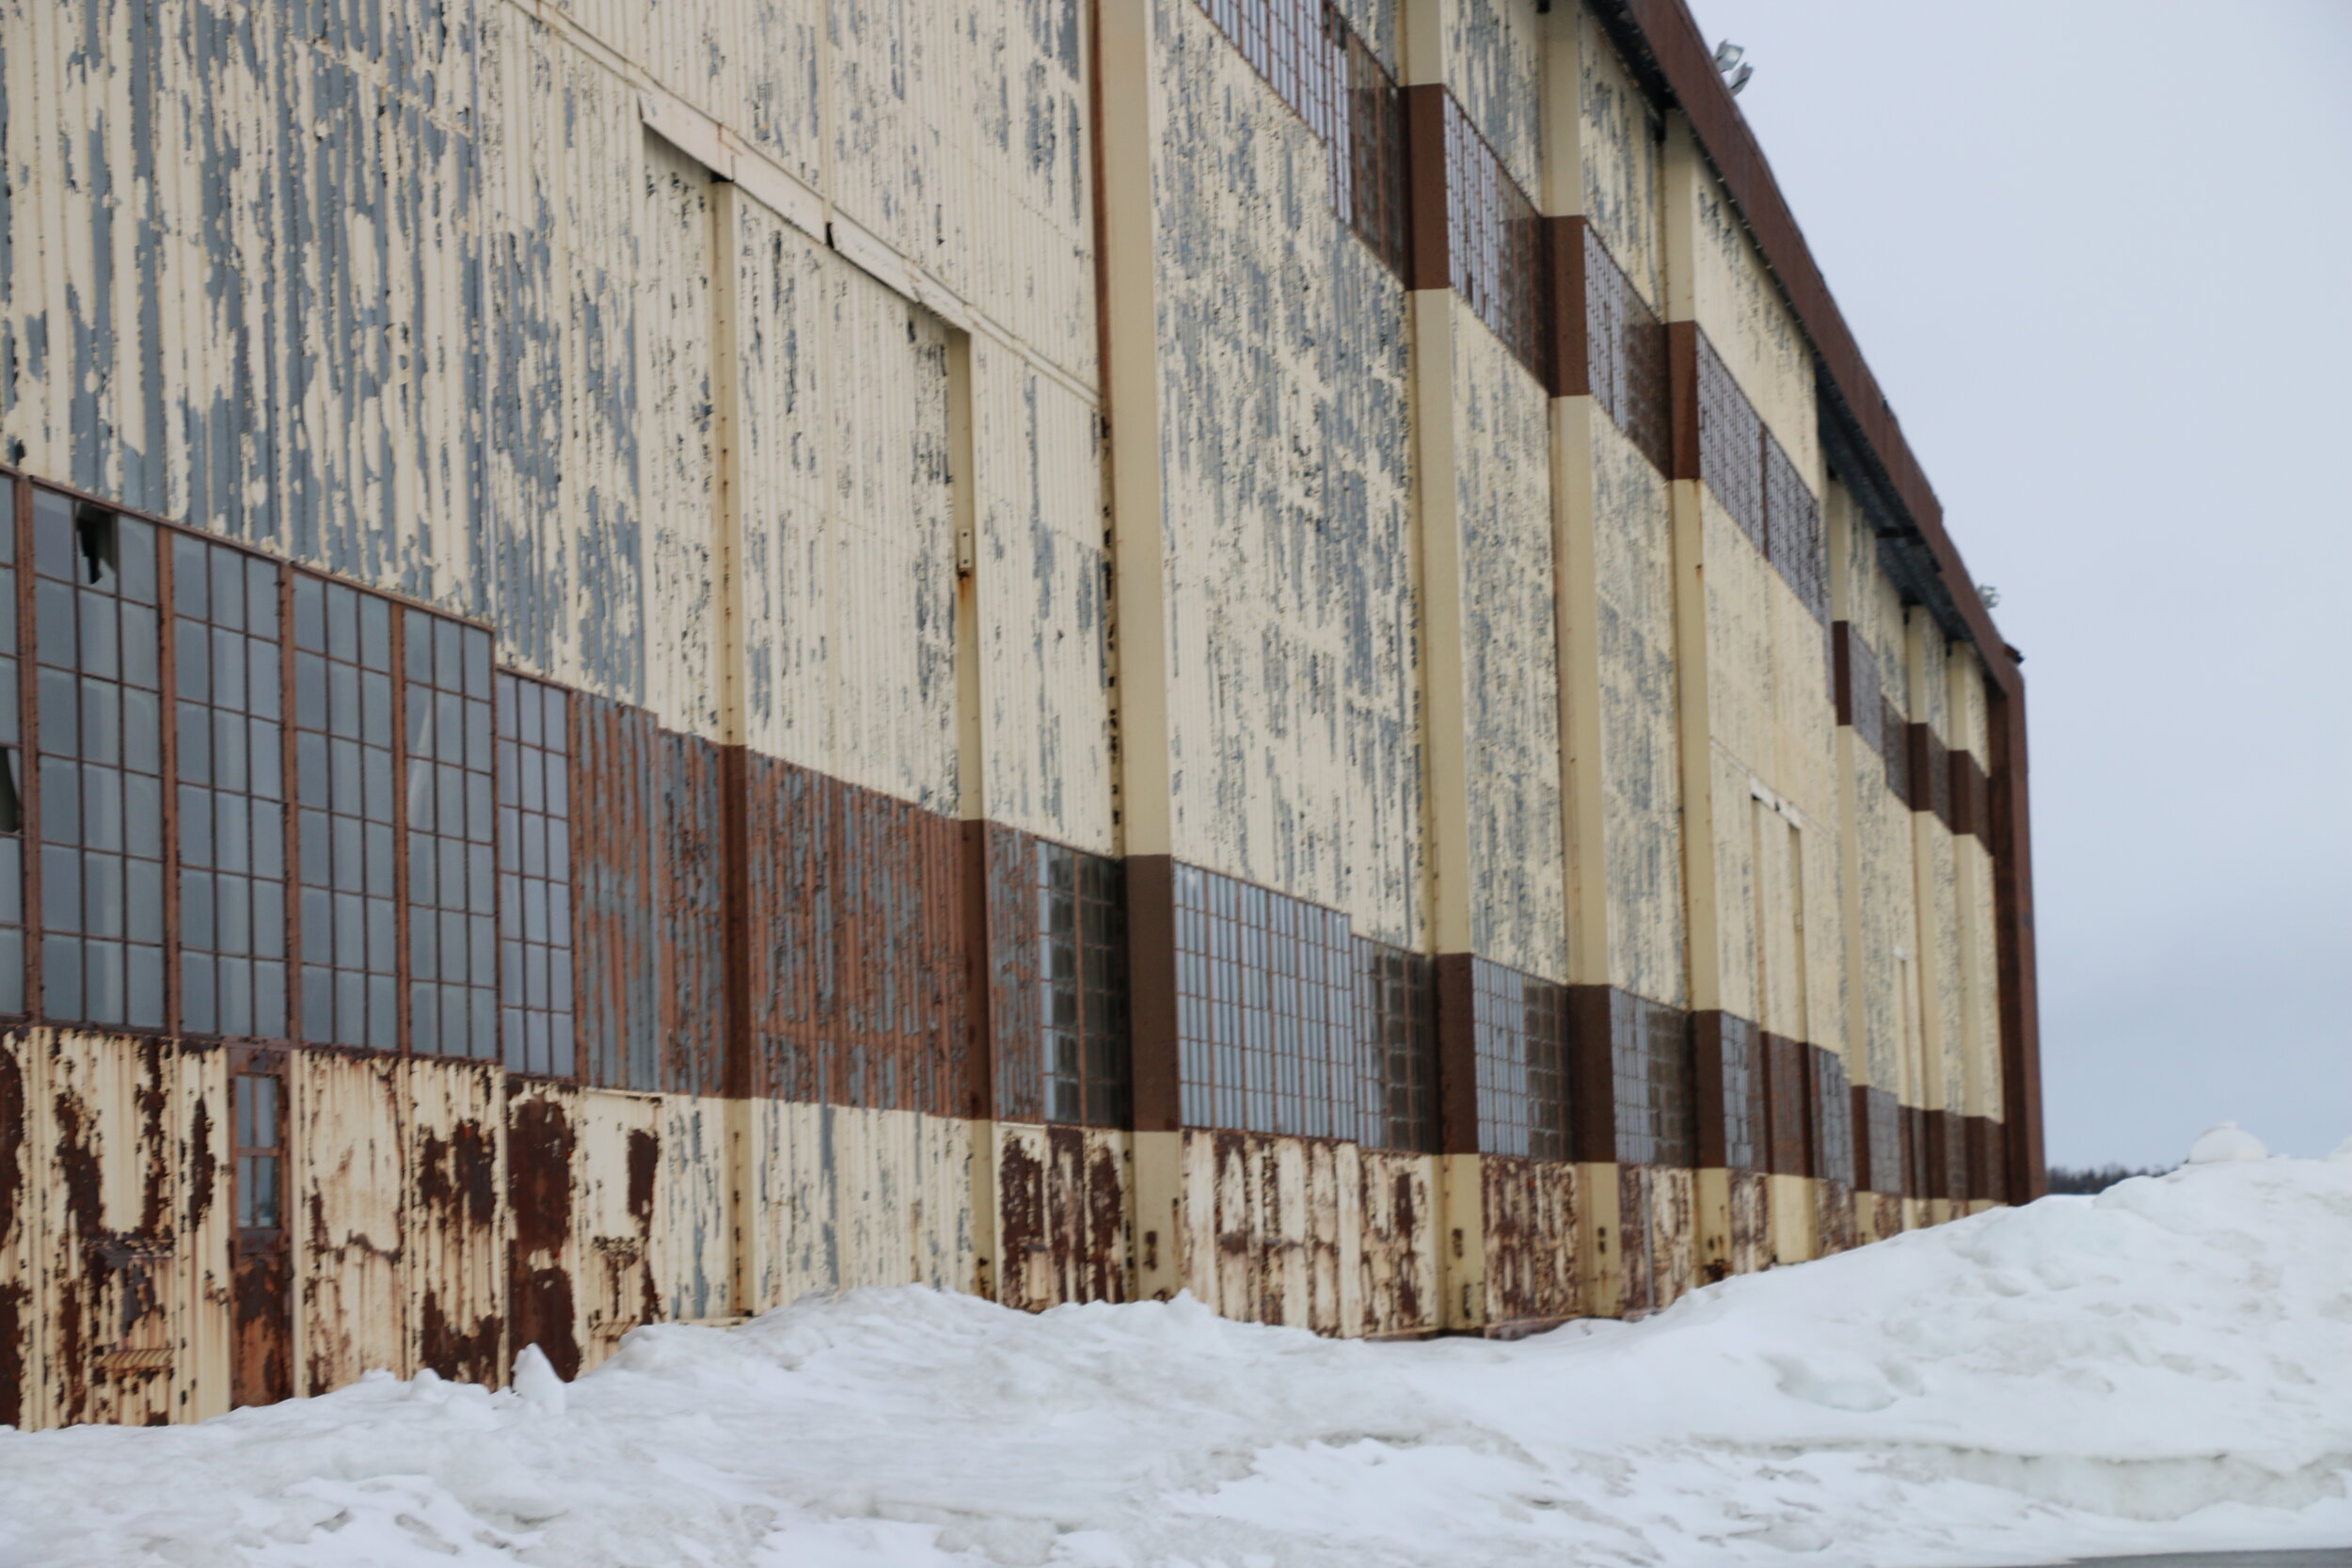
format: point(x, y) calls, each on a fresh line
point(1727, 55)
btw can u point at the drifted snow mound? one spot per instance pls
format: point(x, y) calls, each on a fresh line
point(2226, 1141)
point(2167, 1366)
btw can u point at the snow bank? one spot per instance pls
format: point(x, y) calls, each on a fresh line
point(2166, 1365)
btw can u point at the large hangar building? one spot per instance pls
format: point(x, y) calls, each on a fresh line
point(664, 654)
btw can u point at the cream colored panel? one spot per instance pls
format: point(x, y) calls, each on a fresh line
point(693, 1255)
point(1044, 604)
point(1292, 714)
point(565, 175)
point(1510, 663)
point(861, 1197)
point(1739, 304)
point(614, 1210)
point(236, 276)
point(204, 1124)
point(1641, 836)
point(1624, 162)
point(455, 1217)
point(959, 137)
point(1493, 62)
point(346, 1134)
point(677, 464)
point(849, 540)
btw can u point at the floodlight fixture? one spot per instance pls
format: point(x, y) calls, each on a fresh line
point(1728, 54)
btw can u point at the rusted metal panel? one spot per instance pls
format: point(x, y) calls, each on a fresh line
point(857, 996)
point(19, 1260)
point(692, 914)
point(543, 1242)
point(455, 1219)
point(1063, 1222)
point(1673, 1234)
point(349, 1120)
point(616, 892)
point(1396, 1245)
point(1265, 1212)
point(1531, 1208)
point(109, 1282)
point(205, 1371)
point(1750, 1242)
point(617, 1206)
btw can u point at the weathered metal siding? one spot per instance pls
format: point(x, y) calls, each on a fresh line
point(1736, 300)
point(348, 1121)
point(237, 235)
point(1533, 1211)
point(1493, 63)
point(580, 304)
point(1620, 145)
point(1064, 1223)
point(1292, 709)
point(676, 467)
point(851, 1196)
point(111, 1296)
point(849, 579)
point(1640, 778)
point(1043, 604)
point(1311, 1232)
point(455, 1219)
point(857, 983)
point(614, 1209)
point(1511, 671)
point(693, 1245)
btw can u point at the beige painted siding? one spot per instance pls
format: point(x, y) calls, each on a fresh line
point(1293, 713)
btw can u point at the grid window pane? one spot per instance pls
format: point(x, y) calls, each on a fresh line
point(228, 667)
point(350, 962)
point(98, 644)
point(445, 697)
point(532, 882)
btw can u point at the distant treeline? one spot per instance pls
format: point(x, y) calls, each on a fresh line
point(2091, 1179)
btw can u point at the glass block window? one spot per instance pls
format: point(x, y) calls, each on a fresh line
point(1397, 1023)
point(1265, 1010)
point(534, 861)
point(452, 884)
point(344, 733)
point(227, 692)
point(11, 779)
point(99, 652)
point(1082, 982)
point(1520, 1032)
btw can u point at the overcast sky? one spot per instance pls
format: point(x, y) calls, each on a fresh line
point(2100, 254)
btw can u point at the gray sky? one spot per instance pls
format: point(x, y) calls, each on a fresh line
point(2100, 254)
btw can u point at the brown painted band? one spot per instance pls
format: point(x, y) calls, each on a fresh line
point(1151, 993)
point(1428, 263)
point(1570, 347)
point(1457, 1053)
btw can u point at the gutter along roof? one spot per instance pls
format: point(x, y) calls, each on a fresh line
point(1662, 42)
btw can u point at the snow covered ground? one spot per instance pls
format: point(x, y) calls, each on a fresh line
point(2167, 1366)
